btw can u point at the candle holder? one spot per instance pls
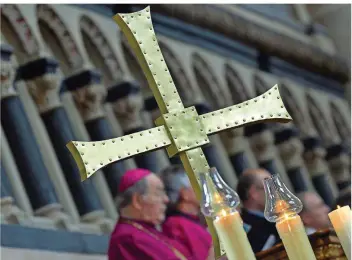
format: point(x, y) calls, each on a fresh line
point(219, 202)
point(341, 219)
point(282, 207)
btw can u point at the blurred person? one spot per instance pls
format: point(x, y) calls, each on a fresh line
point(142, 205)
point(261, 233)
point(183, 221)
point(314, 213)
point(344, 198)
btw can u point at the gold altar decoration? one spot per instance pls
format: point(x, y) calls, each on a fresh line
point(325, 244)
point(180, 130)
point(341, 219)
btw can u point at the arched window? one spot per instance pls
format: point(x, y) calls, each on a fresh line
point(100, 52)
point(58, 39)
point(17, 32)
point(299, 119)
point(208, 83)
point(319, 121)
point(178, 74)
point(134, 67)
point(260, 85)
point(343, 128)
point(238, 90)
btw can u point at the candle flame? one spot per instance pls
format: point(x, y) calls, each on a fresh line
point(218, 198)
point(280, 206)
point(338, 206)
point(223, 212)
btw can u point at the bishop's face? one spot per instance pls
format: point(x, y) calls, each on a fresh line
point(155, 201)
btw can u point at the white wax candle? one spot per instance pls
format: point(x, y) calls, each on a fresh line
point(341, 221)
point(295, 239)
point(233, 237)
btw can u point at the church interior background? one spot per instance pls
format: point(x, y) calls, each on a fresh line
point(67, 73)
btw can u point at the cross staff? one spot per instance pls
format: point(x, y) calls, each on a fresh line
point(180, 130)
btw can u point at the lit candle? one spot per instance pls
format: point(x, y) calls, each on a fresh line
point(341, 221)
point(294, 238)
point(282, 207)
point(231, 233)
point(219, 202)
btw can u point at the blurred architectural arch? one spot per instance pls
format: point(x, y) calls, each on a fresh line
point(100, 52)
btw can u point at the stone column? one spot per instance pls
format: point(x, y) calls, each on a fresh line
point(8, 164)
point(235, 145)
point(338, 160)
point(291, 149)
point(15, 206)
point(23, 144)
point(127, 102)
point(10, 213)
point(6, 189)
point(89, 95)
point(44, 82)
point(314, 159)
point(262, 144)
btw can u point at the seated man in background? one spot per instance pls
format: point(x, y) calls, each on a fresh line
point(344, 198)
point(314, 213)
point(182, 218)
point(261, 233)
point(142, 204)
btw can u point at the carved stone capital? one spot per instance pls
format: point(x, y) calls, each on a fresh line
point(290, 147)
point(43, 81)
point(315, 163)
point(89, 101)
point(262, 144)
point(340, 167)
point(261, 141)
point(88, 93)
point(8, 72)
point(314, 155)
point(233, 140)
point(291, 153)
point(339, 162)
point(127, 102)
point(151, 106)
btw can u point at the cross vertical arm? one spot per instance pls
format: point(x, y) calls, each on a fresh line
point(138, 29)
point(195, 163)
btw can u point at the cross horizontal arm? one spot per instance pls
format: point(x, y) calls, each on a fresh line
point(92, 156)
point(266, 107)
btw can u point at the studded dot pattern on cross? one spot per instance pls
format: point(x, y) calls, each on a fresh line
point(180, 130)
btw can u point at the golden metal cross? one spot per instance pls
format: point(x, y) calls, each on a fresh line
point(181, 130)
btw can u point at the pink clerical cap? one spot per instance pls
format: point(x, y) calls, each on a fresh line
point(131, 177)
